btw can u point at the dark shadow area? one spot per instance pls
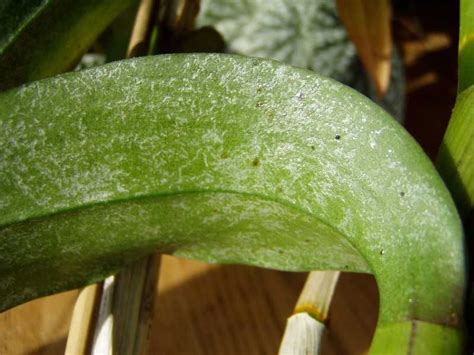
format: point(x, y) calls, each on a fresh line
point(53, 348)
point(426, 32)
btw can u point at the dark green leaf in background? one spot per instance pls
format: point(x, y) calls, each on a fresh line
point(466, 45)
point(43, 38)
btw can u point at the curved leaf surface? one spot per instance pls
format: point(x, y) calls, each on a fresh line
point(225, 159)
point(42, 38)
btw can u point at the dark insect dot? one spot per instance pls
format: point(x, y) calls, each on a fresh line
point(382, 252)
point(402, 193)
point(259, 89)
point(259, 104)
point(256, 162)
point(313, 147)
point(338, 136)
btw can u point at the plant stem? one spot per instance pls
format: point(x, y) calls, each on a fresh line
point(139, 41)
point(305, 328)
point(126, 309)
point(103, 333)
point(82, 327)
point(302, 336)
point(368, 26)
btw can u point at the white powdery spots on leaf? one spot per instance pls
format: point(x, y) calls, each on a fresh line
point(223, 123)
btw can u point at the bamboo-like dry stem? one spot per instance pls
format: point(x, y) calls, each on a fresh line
point(126, 309)
point(81, 329)
point(305, 328)
point(302, 335)
point(317, 294)
point(180, 15)
point(368, 25)
point(147, 304)
point(139, 41)
point(102, 344)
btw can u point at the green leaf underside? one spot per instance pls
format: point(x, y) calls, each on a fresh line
point(44, 38)
point(238, 228)
point(304, 33)
point(224, 159)
point(456, 155)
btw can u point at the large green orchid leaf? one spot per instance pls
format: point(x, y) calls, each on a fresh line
point(306, 34)
point(41, 38)
point(230, 160)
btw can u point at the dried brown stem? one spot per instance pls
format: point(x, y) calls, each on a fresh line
point(368, 25)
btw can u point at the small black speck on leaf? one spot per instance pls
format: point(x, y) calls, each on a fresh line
point(313, 147)
point(338, 136)
point(256, 162)
point(402, 193)
point(259, 104)
point(382, 252)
